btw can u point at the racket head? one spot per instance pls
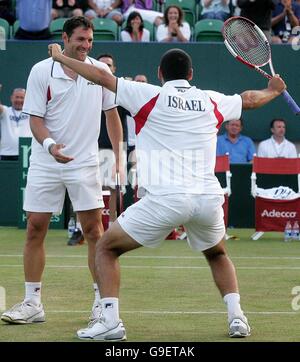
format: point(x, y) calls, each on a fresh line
point(246, 41)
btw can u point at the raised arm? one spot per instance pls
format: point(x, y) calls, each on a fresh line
point(256, 98)
point(88, 71)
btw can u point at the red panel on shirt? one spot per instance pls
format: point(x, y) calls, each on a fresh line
point(217, 113)
point(142, 115)
point(48, 94)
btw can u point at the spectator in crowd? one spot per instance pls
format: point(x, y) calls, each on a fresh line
point(35, 18)
point(277, 145)
point(239, 147)
point(14, 124)
point(109, 9)
point(235, 9)
point(134, 30)
point(260, 12)
point(174, 28)
point(66, 8)
point(107, 159)
point(144, 7)
point(215, 9)
point(6, 11)
point(285, 17)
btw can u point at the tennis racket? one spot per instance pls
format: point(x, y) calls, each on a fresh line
point(118, 194)
point(248, 44)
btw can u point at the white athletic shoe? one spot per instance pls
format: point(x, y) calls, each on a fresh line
point(24, 313)
point(100, 331)
point(96, 311)
point(239, 327)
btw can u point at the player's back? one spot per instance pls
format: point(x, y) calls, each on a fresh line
point(176, 128)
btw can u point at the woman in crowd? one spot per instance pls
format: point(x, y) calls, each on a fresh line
point(174, 28)
point(134, 30)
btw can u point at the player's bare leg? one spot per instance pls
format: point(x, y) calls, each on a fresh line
point(31, 310)
point(91, 222)
point(224, 275)
point(114, 243)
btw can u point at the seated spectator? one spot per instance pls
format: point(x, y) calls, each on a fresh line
point(174, 28)
point(215, 9)
point(66, 9)
point(6, 11)
point(134, 30)
point(239, 147)
point(35, 18)
point(13, 124)
point(109, 9)
point(144, 7)
point(285, 17)
point(235, 9)
point(260, 12)
point(277, 145)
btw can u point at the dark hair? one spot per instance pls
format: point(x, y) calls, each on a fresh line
point(180, 18)
point(76, 22)
point(131, 16)
point(105, 55)
point(276, 120)
point(175, 64)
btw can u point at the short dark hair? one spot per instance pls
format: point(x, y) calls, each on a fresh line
point(76, 22)
point(276, 120)
point(105, 55)
point(175, 64)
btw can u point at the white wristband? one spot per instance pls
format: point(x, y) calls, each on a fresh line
point(47, 143)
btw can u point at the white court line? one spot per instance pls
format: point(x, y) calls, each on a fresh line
point(163, 257)
point(158, 267)
point(175, 312)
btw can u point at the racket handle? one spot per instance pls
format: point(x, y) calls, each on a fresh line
point(290, 101)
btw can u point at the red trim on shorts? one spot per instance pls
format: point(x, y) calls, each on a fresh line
point(218, 114)
point(48, 94)
point(142, 115)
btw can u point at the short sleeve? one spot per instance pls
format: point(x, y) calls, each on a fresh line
point(36, 92)
point(229, 106)
point(134, 95)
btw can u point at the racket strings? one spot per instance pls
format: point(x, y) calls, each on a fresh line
point(247, 42)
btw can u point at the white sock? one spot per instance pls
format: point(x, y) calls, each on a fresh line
point(232, 301)
point(97, 294)
point(33, 293)
point(110, 310)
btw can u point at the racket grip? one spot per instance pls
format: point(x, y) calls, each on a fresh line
point(290, 101)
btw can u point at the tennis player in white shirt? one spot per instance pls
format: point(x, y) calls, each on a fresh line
point(176, 127)
point(65, 114)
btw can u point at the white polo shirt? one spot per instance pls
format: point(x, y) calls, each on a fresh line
point(71, 110)
point(176, 127)
point(270, 148)
point(14, 124)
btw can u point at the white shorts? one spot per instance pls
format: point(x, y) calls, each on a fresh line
point(46, 188)
point(152, 218)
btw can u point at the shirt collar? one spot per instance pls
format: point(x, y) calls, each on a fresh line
point(178, 83)
point(58, 72)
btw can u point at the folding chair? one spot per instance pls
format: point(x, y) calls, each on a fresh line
point(105, 29)
point(206, 30)
point(56, 27)
point(4, 29)
point(273, 214)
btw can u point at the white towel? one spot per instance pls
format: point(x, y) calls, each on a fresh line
point(277, 193)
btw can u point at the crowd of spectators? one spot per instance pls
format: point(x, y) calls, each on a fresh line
point(279, 19)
